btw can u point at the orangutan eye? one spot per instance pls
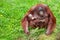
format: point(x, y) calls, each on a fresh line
point(41, 12)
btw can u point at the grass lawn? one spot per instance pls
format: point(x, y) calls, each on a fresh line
point(11, 13)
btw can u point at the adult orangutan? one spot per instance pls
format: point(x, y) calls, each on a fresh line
point(39, 16)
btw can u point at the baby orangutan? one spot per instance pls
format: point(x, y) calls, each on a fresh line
point(39, 16)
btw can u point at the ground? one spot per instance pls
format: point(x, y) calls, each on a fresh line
point(12, 12)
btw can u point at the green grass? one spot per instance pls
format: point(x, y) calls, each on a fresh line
point(11, 13)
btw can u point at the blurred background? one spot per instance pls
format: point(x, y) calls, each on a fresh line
point(12, 12)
